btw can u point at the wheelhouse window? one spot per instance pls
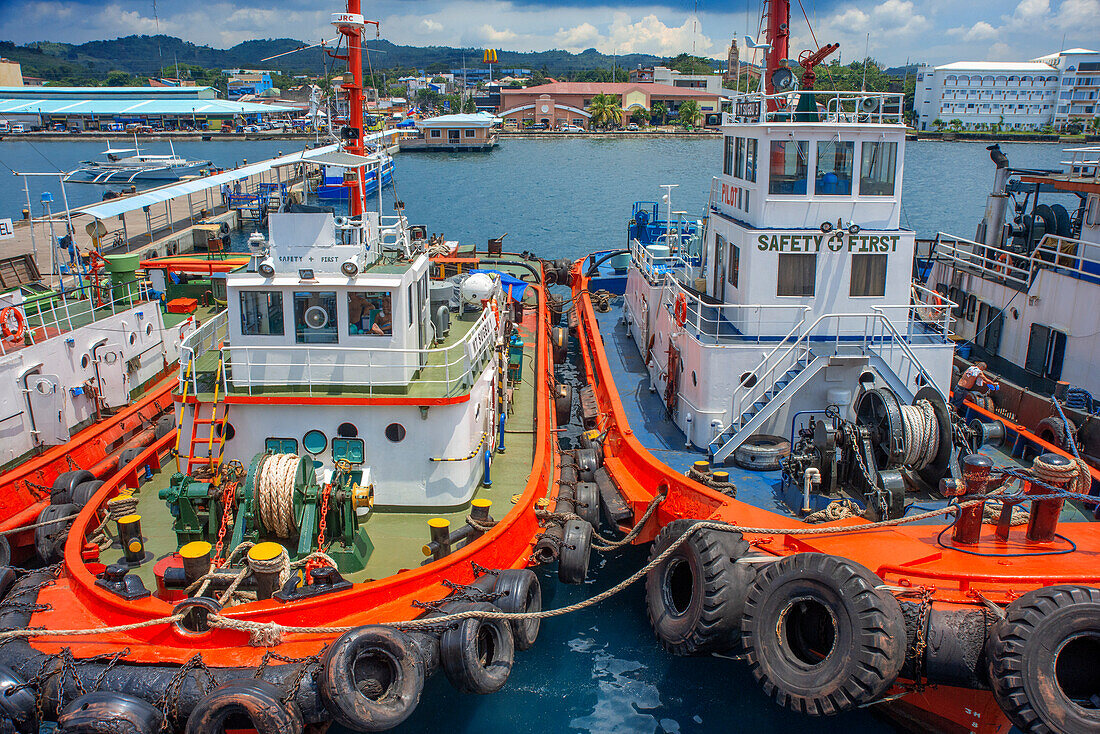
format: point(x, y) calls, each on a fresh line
point(727, 157)
point(370, 313)
point(739, 159)
point(315, 317)
point(261, 313)
point(734, 265)
point(797, 275)
point(750, 159)
point(868, 276)
point(788, 167)
point(878, 169)
point(835, 161)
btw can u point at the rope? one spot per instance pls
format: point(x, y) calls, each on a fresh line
point(1074, 476)
point(275, 493)
point(43, 524)
point(922, 436)
point(836, 510)
point(120, 506)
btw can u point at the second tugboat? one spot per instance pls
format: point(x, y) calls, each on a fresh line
point(364, 437)
point(768, 394)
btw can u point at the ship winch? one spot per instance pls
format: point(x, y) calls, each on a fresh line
point(280, 497)
point(888, 448)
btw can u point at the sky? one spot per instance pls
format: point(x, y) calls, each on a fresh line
point(892, 31)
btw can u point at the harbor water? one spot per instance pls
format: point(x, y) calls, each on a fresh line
point(599, 670)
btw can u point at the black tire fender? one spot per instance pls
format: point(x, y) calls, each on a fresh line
point(165, 425)
point(586, 501)
point(1042, 660)
point(520, 592)
point(563, 403)
point(257, 700)
point(559, 342)
point(576, 548)
point(107, 712)
point(372, 653)
point(1054, 430)
point(19, 707)
point(819, 636)
point(49, 540)
point(128, 455)
point(5, 555)
point(84, 492)
point(61, 493)
point(761, 452)
point(477, 654)
point(695, 596)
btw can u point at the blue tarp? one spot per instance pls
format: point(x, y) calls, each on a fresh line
point(513, 286)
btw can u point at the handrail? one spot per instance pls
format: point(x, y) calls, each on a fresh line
point(459, 361)
point(1016, 267)
point(888, 108)
point(210, 335)
point(695, 306)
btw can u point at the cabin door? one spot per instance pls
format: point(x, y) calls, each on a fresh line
point(46, 400)
point(720, 268)
point(113, 382)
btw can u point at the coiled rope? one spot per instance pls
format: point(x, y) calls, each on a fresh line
point(922, 436)
point(275, 493)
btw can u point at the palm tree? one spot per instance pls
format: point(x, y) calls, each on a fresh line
point(605, 110)
point(639, 115)
point(660, 112)
point(689, 113)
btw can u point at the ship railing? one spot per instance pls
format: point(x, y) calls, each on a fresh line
point(654, 267)
point(74, 308)
point(1084, 162)
point(209, 337)
point(833, 106)
point(986, 261)
point(858, 333)
point(733, 323)
point(325, 369)
point(1074, 257)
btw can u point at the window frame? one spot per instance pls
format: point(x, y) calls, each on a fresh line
point(802, 168)
point(836, 145)
point(369, 293)
point(733, 265)
point(278, 294)
point(865, 181)
point(790, 257)
point(875, 257)
point(334, 314)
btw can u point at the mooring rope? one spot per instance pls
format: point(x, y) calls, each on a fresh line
point(275, 493)
point(922, 437)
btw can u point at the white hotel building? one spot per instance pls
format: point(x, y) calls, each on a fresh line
point(1051, 90)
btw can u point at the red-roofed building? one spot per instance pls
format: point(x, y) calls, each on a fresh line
point(566, 103)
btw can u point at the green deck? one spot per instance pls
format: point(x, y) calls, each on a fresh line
point(397, 536)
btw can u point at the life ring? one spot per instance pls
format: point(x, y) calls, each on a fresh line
point(695, 596)
point(106, 712)
point(393, 657)
point(13, 333)
point(681, 310)
point(1041, 659)
point(576, 549)
point(477, 654)
point(819, 636)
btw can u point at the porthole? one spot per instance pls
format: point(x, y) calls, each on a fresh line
point(148, 330)
point(347, 430)
point(132, 338)
point(748, 379)
point(314, 441)
point(395, 432)
point(85, 361)
point(227, 432)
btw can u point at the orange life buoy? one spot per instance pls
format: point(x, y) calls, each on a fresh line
point(13, 333)
point(681, 312)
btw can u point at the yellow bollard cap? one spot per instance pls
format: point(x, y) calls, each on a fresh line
point(131, 518)
point(482, 503)
point(439, 522)
point(135, 546)
point(265, 551)
point(196, 549)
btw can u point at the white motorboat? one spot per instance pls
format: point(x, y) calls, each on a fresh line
point(130, 164)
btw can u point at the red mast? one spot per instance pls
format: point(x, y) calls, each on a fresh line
point(779, 32)
point(351, 25)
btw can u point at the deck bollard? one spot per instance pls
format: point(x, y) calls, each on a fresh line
point(1042, 526)
point(133, 545)
point(196, 560)
point(976, 480)
point(260, 557)
point(440, 545)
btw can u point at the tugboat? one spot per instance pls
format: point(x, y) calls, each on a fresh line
point(364, 439)
point(765, 394)
point(1020, 288)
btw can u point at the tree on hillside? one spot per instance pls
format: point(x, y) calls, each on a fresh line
point(605, 110)
point(688, 114)
point(688, 64)
point(660, 112)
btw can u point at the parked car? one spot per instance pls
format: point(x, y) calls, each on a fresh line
point(18, 128)
point(537, 126)
point(632, 127)
point(572, 129)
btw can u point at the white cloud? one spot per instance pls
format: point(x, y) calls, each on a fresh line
point(492, 35)
point(430, 26)
point(578, 37)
